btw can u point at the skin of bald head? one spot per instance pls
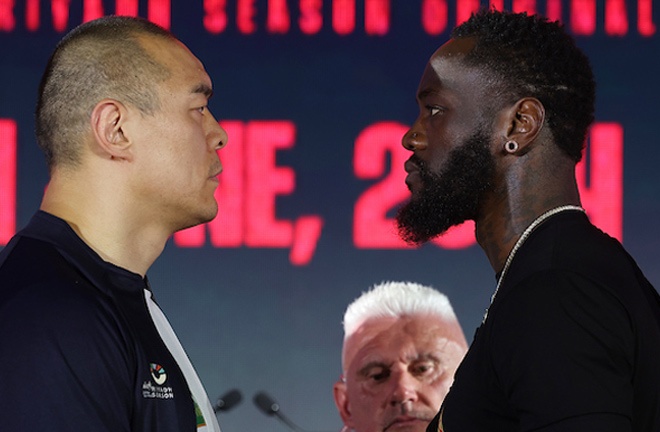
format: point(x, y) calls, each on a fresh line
point(399, 358)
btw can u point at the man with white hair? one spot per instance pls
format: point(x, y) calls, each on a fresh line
point(402, 345)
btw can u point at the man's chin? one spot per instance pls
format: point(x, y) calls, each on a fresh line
point(203, 216)
point(411, 425)
point(414, 184)
point(415, 234)
point(417, 225)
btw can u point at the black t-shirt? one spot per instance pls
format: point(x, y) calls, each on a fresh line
point(571, 342)
point(78, 348)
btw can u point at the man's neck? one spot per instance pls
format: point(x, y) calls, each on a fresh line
point(505, 216)
point(106, 227)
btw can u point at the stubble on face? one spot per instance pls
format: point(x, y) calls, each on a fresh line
point(450, 197)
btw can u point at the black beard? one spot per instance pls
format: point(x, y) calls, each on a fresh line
point(450, 197)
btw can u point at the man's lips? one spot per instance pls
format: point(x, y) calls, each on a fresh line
point(216, 169)
point(406, 420)
point(413, 173)
point(410, 166)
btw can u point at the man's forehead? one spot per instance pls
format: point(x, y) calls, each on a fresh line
point(451, 54)
point(407, 350)
point(408, 336)
point(171, 52)
point(183, 66)
point(455, 47)
point(447, 73)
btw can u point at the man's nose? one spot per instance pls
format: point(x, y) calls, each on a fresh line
point(414, 139)
point(216, 135)
point(404, 388)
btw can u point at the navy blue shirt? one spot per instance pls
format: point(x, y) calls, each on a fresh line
point(78, 348)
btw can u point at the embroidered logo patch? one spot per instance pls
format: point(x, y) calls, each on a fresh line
point(158, 373)
point(156, 389)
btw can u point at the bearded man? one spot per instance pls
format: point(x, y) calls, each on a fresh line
point(571, 340)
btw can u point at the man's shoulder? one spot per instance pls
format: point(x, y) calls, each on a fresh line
point(37, 281)
point(572, 244)
point(29, 262)
point(62, 342)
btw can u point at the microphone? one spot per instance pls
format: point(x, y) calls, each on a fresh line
point(271, 408)
point(228, 401)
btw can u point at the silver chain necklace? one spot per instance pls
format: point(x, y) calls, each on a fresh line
point(538, 221)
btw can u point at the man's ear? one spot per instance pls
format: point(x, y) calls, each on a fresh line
point(523, 122)
point(108, 117)
point(341, 400)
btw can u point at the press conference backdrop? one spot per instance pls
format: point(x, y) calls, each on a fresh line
point(315, 96)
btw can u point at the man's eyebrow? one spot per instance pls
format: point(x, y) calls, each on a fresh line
point(425, 356)
point(203, 89)
point(425, 92)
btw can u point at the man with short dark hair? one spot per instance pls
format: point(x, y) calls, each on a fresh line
point(132, 151)
point(571, 340)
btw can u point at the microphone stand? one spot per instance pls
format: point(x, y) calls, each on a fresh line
point(268, 406)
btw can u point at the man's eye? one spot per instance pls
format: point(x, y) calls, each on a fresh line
point(434, 110)
point(201, 109)
point(379, 375)
point(423, 369)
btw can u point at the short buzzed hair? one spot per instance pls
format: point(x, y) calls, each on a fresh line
point(528, 55)
point(99, 59)
point(396, 300)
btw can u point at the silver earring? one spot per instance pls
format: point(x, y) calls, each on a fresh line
point(511, 146)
